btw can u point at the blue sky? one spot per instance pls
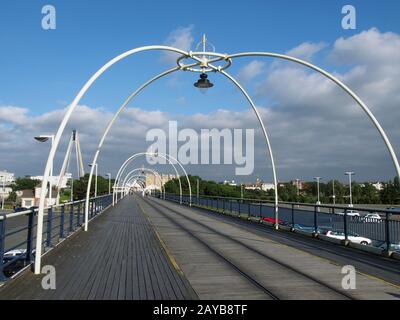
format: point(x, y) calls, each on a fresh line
point(41, 71)
point(44, 69)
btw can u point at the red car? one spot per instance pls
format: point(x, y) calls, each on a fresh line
point(272, 220)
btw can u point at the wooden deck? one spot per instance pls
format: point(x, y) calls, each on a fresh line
point(120, 258)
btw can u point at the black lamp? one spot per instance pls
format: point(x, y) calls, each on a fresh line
point(203, 83)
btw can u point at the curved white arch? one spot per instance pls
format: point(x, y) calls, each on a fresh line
point(112, 121)
point(352, 94)
point(166, 48)
point(154, 172)
point(129, 176)
point(72, 107)
point(165, 156)
point(133, 157)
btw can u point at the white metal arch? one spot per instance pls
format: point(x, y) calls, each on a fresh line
point(133, 157)
point(154, 172)
point(165, 156)
point(129, 176)
point(351, 93)
point(206, 65)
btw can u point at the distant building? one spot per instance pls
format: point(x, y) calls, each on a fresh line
point(26, 198)
point(378, 186)
point(267, 186)
point(297, 183)
point(230, 183)
point(54, 180)
point(6, 177)
point(153, 181)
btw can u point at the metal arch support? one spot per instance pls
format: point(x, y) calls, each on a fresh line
point(176, 172)
point(240, 87)
point(128, 177)
point(72, 107)
point(351, 93)
point(130, 159)
point(154, 172)
point(109, 126)
point(187, 177)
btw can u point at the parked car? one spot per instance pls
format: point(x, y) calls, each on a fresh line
point(16, 259)
point(372, 217)
point(392, 247)
point(272, 220)
point(309, 229)
point(20, 209)
point(353, 237)
point(350, 213)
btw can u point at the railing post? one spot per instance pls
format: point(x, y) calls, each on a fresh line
point(49, 223)
point(3, 221)
point(78, 216)
point(248, 208)
point(71, 217)
point(292, 215)
point(345, 225)
point(223, 205)
point(62, 220)
point(315, 219)
point(260, 211)
point(387, 231)
point(91, 208)
point(29, 238)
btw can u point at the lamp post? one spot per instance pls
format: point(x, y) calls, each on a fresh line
point(95, 183)
point(198, 190)
point(109, 182)
point(72, 188)
point(350, 188)
point(318, 180)
point(3, 192)
point(45, 138)
point(333, 192)
point(297, 186)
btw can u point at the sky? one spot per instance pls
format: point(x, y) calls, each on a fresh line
point(315, 128)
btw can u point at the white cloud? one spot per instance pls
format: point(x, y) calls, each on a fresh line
point(181, 38)
point(251, 70)
point(306, 50)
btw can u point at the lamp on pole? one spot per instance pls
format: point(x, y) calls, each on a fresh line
point(45, 138)
point(297, 186)
point(350, 188)
point(109, 182)
point(95, 183)
point(318, 180)
point(3, 192)
point(333, 192)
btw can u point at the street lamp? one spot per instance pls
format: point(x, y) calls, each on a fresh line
point(109, 182)
point(333, 192)
point(3, 192)
point(318, 180)
point(203, 83)
point(95, 183)
point(42, 139)
point(350, 189)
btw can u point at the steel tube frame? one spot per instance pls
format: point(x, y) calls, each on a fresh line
point(128, 177)
point(96, 75)
point(165, 156)
point(156, 174)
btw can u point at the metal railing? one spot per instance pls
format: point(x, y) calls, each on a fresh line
point(368, 226)
point(18, 231)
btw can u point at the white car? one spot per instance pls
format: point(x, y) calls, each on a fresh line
point(350, 213)
point(372, 217)
point(353, 237)
point(14, 253)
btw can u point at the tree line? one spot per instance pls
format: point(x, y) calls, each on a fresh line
point(362, 193)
